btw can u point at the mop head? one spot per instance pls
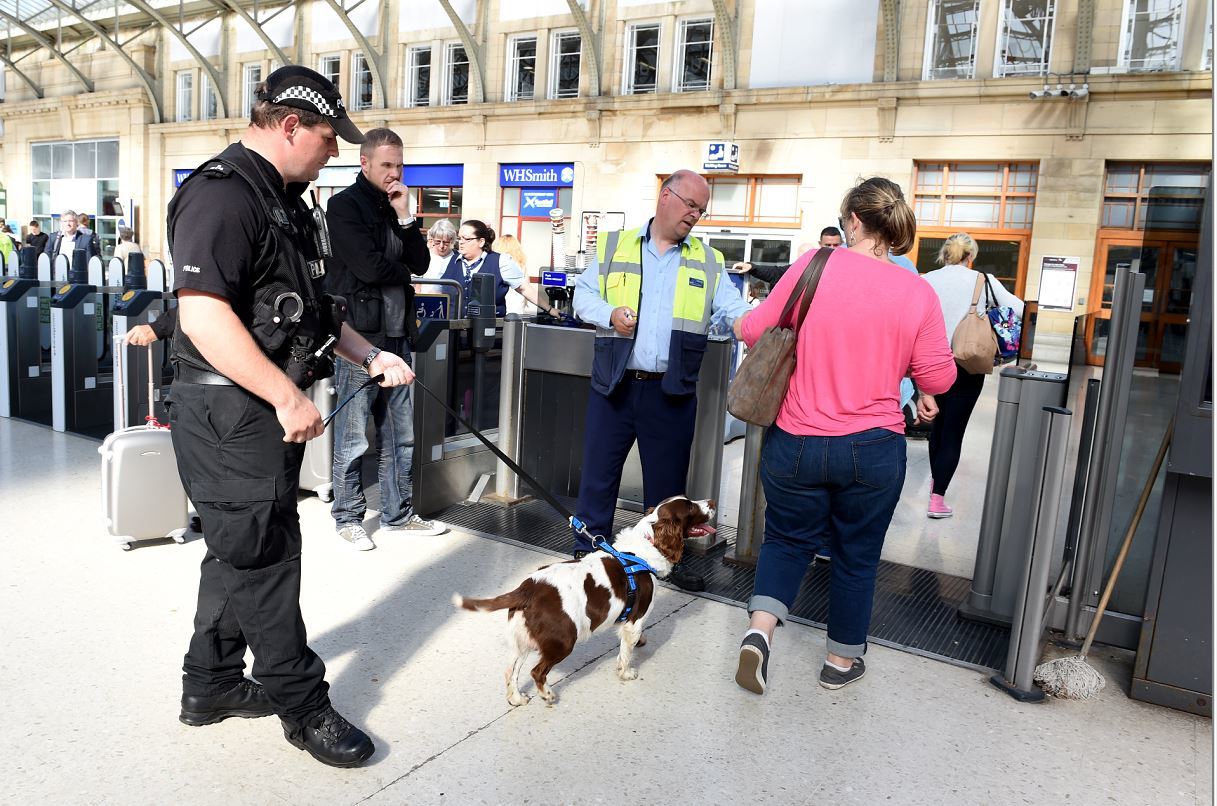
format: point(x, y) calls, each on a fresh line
point(1069, 678)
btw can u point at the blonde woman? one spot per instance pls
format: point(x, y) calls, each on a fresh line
point(954, 284)
point(516, 303)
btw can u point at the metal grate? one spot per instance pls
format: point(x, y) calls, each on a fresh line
point(914, 609)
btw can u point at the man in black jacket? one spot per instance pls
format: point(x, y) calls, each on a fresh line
point(377, 246)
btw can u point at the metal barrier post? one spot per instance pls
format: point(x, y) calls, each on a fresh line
point(511, 387)
point(1031, 608)
point(750, 524)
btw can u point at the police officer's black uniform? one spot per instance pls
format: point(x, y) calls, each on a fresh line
point(235, 233)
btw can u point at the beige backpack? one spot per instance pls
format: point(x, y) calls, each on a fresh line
point(974, 343)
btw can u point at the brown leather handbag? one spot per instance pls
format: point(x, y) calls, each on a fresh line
point(760, 384)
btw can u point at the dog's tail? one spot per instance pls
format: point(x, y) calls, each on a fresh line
point(512, 599)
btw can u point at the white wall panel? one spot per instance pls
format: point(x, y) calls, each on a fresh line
point(796, 46)
point(206, 40)
point(425, 15)
point(526, 9)
point(327, 27)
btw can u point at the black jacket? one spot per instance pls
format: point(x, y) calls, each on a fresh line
point(360, 221)
point(92, 244)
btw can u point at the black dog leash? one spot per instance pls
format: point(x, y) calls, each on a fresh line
point(541, 492)
point(353, 395)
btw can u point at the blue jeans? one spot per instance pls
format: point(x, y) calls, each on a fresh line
point(836, 491)
point(393, 412)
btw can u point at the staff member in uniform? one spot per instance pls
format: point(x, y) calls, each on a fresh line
point(648, 352)
point(252, 321)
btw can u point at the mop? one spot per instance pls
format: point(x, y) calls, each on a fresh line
point(1072, 678)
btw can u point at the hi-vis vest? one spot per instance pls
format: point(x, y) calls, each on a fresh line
point(620, 256)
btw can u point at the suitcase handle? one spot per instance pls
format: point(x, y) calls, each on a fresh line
point(120, 346)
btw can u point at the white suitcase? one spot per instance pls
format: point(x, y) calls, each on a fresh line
point(142, 496)
point(317, 471)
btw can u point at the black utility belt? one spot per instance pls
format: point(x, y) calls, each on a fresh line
point(186, 374)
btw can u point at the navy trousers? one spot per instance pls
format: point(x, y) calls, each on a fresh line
point(661, 423)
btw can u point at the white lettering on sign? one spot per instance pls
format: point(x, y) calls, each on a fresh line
point(538, 201)
point(530, 175)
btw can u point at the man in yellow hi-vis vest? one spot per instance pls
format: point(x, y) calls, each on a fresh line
point(652, 292)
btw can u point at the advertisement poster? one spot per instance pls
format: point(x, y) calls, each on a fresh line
point(1058, 282)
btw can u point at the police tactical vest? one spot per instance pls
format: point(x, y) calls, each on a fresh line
point(700, 271)
point(289, 316)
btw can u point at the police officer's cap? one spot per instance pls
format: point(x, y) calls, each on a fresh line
point(306, 89)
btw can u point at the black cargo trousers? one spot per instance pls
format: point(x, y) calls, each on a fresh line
point(243, 480)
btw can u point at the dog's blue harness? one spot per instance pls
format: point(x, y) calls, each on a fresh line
point(631, 564)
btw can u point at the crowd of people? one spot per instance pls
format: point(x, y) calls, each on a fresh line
point(832, 465)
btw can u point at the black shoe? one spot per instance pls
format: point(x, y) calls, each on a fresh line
point(245, 699)
point(682, 577)
point(835, 678)
point(753, 669)
point(330, 739)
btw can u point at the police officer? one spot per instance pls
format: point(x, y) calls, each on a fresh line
point(652, 293)
point(254, 331)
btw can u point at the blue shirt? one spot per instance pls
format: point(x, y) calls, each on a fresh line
point(906, 385)
point(653, 334)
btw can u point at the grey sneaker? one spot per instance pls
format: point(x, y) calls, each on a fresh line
point(358, 539)
point(753, 666)
point(414, 526)
point(835, 678)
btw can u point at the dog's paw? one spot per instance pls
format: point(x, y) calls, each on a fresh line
point(627, 673)
point(549, 696)
point(517, 699)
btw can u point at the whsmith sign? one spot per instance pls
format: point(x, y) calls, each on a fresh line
point(537, 175)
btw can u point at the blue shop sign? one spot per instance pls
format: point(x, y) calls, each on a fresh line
point(537, 202)
point(179, 176)
point(556, 279)
point(437, 176)
point(537, 175)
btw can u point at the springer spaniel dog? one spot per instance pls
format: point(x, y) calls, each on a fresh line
point(562, 604)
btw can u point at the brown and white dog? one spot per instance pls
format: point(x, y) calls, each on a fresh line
point(562, 604)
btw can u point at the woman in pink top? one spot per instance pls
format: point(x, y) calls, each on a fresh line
point(833, 464)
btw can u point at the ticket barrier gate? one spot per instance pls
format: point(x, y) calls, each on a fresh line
point(25, 379)
point(141, 302)
point(81, 360)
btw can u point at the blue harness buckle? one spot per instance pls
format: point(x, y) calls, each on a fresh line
point(631, 564)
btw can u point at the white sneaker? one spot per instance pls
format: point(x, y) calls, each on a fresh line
point(356, 537)
point(414, 526)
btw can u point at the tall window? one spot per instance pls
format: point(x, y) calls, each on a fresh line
point(950, 39)
point(434, 203)
point(329, 66)
point(564, 63)
point(641, 59)
point(456, 86)
point(1206, 62)
point(1150, 39)
point(753, 200)
point(694, 46)
point(251, 77)
point(521, 68)
point(1024, 45)
point(185, 95)
point(361, 82)
point(1154, 196)
point(82, 175)
point(209, 105)
point(986, 195)
point(418, 76)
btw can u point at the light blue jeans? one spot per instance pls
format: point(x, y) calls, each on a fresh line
point(393, 412)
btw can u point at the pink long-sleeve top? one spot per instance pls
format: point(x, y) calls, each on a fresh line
point(869, 323)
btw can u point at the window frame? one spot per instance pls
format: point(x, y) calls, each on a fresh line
point(337, 61)
point(1140, 196)
point(356, 103)
point(248, 89)
point(207, 94)
point(514, 61)
point(449, 49)
point(183, 115)
point(630, 50)
point(680, 54)
point(1123, 60)
point(555, 68)
point(751, 217)
point(928, 66)
point(412, 69)
point(1000, 64)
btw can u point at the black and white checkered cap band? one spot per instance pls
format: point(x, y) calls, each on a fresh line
point(299, 93)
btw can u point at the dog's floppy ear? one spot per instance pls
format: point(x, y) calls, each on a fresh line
point(669, 533)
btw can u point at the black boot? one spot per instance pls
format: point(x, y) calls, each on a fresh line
point(245, 699)
point(683, 577)
point(330, 739)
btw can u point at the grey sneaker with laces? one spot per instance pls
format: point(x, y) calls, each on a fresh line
point(414, 526)
point(356, 537)
point(835, 678)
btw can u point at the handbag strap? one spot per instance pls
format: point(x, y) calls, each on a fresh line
point(980, 281)
point(805, 288)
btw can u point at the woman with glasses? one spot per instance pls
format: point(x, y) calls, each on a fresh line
point(441, 240)
point(475, 255)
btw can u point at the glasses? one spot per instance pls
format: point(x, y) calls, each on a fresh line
point(701, 211)
point(440, 241)
point(463, 239)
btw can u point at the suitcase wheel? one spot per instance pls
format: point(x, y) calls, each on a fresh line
point(125, 546)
